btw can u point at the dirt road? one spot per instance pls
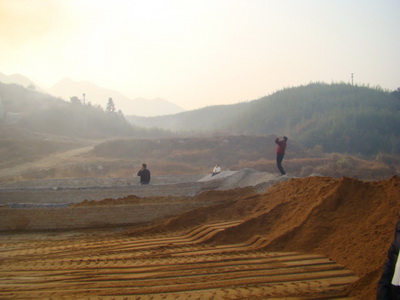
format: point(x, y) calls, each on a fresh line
point(46, 163)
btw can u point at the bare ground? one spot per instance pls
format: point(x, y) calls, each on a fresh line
point(304, 238)
point(292, 238)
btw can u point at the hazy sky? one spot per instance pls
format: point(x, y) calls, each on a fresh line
point(202, 52)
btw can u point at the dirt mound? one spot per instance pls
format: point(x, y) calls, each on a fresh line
point(202, 215)
point(346, 219)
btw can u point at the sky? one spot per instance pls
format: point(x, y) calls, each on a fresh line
point(197, 53)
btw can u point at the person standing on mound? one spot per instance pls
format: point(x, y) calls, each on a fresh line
point(389, 283)
point(144, 174)
point(280, 153)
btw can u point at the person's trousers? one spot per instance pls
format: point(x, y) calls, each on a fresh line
point(279, 158)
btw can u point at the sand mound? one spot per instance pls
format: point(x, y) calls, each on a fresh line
point(348, 220)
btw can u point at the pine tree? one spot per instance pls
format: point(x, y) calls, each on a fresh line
point(110, 105)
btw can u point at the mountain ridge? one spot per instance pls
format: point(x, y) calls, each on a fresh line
point(20, 80)
point(335, 117)
point(97, 95)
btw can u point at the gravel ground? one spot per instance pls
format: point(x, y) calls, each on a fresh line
point(99, 182)
point(60, 192)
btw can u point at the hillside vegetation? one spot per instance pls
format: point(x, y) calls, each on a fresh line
point(333, 117)
point(36, 127)
point(27, 110)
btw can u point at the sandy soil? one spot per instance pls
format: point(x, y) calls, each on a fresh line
point(169, 266)
point(303, 238)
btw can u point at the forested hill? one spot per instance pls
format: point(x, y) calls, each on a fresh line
point(27, 110)
point(334, 117)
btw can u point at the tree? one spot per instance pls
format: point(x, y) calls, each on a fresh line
point(75, 100)
point(110, 105)
point(396, 93)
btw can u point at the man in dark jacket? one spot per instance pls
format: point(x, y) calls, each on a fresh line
point(144, 174)
point(389, 284)
point(280, 153)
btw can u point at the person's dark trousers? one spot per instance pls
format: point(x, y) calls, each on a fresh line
point(279, 158)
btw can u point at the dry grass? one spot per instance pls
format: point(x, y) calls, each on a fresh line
point(33, 158)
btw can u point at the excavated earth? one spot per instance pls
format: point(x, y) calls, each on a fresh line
point(245, 235)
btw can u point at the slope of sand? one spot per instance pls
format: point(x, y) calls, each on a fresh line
point(348, 220)
point(300, 238)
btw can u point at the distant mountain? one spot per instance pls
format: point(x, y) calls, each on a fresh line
point(20, 80)
point(97, 95)
point(331, 117)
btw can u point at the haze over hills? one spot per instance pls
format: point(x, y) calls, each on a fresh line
point(340, 118)
point(33, 112)
point(34, 125)
point(21, 80)
point(97, 95)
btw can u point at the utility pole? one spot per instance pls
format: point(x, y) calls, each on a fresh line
point(352, 75)
point(84, 117)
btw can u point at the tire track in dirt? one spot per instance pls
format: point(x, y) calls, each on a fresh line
point(173, 266)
